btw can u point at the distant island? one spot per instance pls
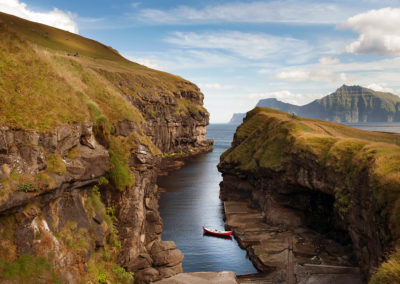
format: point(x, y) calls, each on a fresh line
point(351, 104)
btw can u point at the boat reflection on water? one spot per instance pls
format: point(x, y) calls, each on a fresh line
point(208, 235)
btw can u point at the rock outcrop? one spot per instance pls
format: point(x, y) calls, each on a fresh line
point(82, 140)
point(302, 173)
point(221, 277)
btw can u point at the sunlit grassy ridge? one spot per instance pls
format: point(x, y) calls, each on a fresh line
point(41, 86)
point(270, 139)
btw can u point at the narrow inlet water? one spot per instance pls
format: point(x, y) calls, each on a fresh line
point(191, 200)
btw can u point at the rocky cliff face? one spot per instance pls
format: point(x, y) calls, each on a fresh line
point(313, 174)
point(79, 163)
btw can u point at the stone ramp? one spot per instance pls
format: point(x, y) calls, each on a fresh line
point(257, 278)
point(296, 255)
point(221, 277)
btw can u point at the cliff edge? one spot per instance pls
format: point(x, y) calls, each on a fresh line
point(82, 134)
point(339, 181)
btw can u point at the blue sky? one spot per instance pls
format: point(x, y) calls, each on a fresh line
point(238, 52)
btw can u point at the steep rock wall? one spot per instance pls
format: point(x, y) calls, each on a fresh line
point(48, 178)
point(328, 177)
point(79, 162)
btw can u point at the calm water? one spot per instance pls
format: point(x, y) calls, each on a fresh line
point(383, 127)
point(192, 200)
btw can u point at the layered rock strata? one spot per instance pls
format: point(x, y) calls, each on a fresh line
point(305, 176)
point(82, 140)
point(46, 190)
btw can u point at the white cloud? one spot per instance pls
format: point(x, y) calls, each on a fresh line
point(148, 62)
point(379, 32)
point(214, 86)
point(55, 17)
point(293, 75)
point(248, 45)
point(327, 60)
point(321, 75)
point(382, 88)
point(175, 60)
point(286, 96)
point(251, 12)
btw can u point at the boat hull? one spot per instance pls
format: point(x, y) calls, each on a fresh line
point(219, 233)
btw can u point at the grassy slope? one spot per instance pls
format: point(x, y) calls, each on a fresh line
point(41, 86)
point(268, 139)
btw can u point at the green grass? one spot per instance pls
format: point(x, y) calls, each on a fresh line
point(55, 164)
point(27, 269)
point(35, 97)
point(102, 265)
point(60, 89)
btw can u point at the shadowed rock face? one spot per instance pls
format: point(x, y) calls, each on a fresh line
point(60, 204)
point(302, 173)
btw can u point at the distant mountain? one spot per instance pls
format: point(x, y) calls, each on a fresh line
point(237, 118)
point(347, 104)
point(276, 104)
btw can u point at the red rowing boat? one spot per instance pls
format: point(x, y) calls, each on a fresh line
point(216, 232)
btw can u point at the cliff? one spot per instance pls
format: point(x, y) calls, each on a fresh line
point(83, 132)
point(351, 104)
point(304, 173)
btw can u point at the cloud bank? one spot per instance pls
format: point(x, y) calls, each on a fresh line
point(55, 18)
point(288, 11)
point(379, 32)
point(247, 45)
point(321, 75)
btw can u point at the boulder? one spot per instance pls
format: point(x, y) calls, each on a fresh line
point(166, 272)
point(147, 275)
point(141, 262)
point(168, 257)
point(161, 246)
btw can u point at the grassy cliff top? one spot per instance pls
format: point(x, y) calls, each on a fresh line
point(266, 135)
point(270, 139)
point(41, 85)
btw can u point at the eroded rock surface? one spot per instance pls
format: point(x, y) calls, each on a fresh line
point(48, 216)
point(322, 185)
point(296, 255)
point(222, 277)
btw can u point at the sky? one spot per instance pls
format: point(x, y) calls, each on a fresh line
point(238, 52)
